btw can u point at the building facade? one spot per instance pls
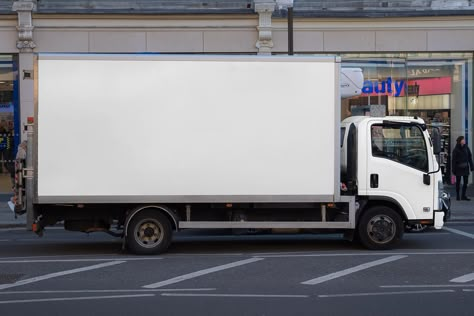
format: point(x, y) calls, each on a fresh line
point(416, 55)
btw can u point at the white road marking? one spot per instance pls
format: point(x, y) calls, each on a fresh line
point(77, 260)
point(424, 286)
point(234, 295)
point(259, 255)
point(464, 278)
point(468, 290)
point(107, 291)
point(386, 293)
point(201, 272)
point(75, 298)
point(221, 254)
point(58, 274)
point(365, 254)
point(352, 270)
point(424, 234)
point(459, 232)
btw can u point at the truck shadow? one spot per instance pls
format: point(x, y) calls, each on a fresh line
point(252, 244)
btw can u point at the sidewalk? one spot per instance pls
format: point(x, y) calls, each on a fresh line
point(7, 217)
point(460, 210)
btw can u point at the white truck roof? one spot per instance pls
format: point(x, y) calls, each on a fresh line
point(408, 119)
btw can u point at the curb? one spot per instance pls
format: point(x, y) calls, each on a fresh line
point(2, 226)
point(460, 219)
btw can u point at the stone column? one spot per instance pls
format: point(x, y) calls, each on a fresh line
point(26, 45)
point(265, 9)
point(25, 26)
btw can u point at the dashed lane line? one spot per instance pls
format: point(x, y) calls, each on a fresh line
point(58, 274)
point(385, 293)
point(418, 286)
point(285, 254)
point(234, 295)
point(430, 252)
point(62, 299)
point(463, 278)
point(358, 268)
point(201, 272)
point(105, 291)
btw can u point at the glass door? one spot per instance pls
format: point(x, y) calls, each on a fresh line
point(9, 120)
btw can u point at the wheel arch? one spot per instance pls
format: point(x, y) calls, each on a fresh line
point(382, 201)
point(170, 214)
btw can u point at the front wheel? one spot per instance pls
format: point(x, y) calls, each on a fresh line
point(380, 228)
point(149, 232)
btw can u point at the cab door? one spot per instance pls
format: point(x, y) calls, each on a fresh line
point(397, 161)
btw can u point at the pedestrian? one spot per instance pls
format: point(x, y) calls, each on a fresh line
point(461, 166)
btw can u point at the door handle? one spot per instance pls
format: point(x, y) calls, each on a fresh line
point(374, 180)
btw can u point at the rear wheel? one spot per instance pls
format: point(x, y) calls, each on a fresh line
point(149, 232)
point(380, 228)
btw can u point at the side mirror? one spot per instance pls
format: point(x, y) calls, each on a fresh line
point(426, 179)
point(436, 138)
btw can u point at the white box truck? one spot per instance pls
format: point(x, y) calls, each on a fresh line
point(143, 145)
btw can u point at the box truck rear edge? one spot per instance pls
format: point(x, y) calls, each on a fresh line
point(140, 146)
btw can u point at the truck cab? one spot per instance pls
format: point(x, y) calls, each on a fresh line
point(391, 161)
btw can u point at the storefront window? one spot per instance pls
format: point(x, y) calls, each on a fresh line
point(9, 118)
point(434, 86)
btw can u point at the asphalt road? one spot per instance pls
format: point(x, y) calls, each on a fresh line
point(431, 273)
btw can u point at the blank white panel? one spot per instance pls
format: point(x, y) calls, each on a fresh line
point(202, 127)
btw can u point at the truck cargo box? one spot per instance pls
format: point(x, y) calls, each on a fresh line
point(151, 128)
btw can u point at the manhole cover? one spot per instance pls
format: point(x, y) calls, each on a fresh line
point(9, 278)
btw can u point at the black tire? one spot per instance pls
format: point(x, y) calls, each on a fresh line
point(148, 233)
point(380, 228)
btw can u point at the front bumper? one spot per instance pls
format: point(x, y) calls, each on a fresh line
point(443, 214)
point(445, 203)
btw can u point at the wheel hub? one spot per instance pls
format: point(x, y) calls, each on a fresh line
point(149, 234)
point(381, 229)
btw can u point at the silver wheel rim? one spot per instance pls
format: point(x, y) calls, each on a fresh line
point(381, 229)
point(148, 233)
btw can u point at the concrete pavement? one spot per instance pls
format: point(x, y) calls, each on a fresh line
point(7, 217)
point(460, 210)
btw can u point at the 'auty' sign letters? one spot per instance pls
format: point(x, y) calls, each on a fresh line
point(387, 86)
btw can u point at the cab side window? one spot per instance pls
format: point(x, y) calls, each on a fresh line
point(402, 143)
